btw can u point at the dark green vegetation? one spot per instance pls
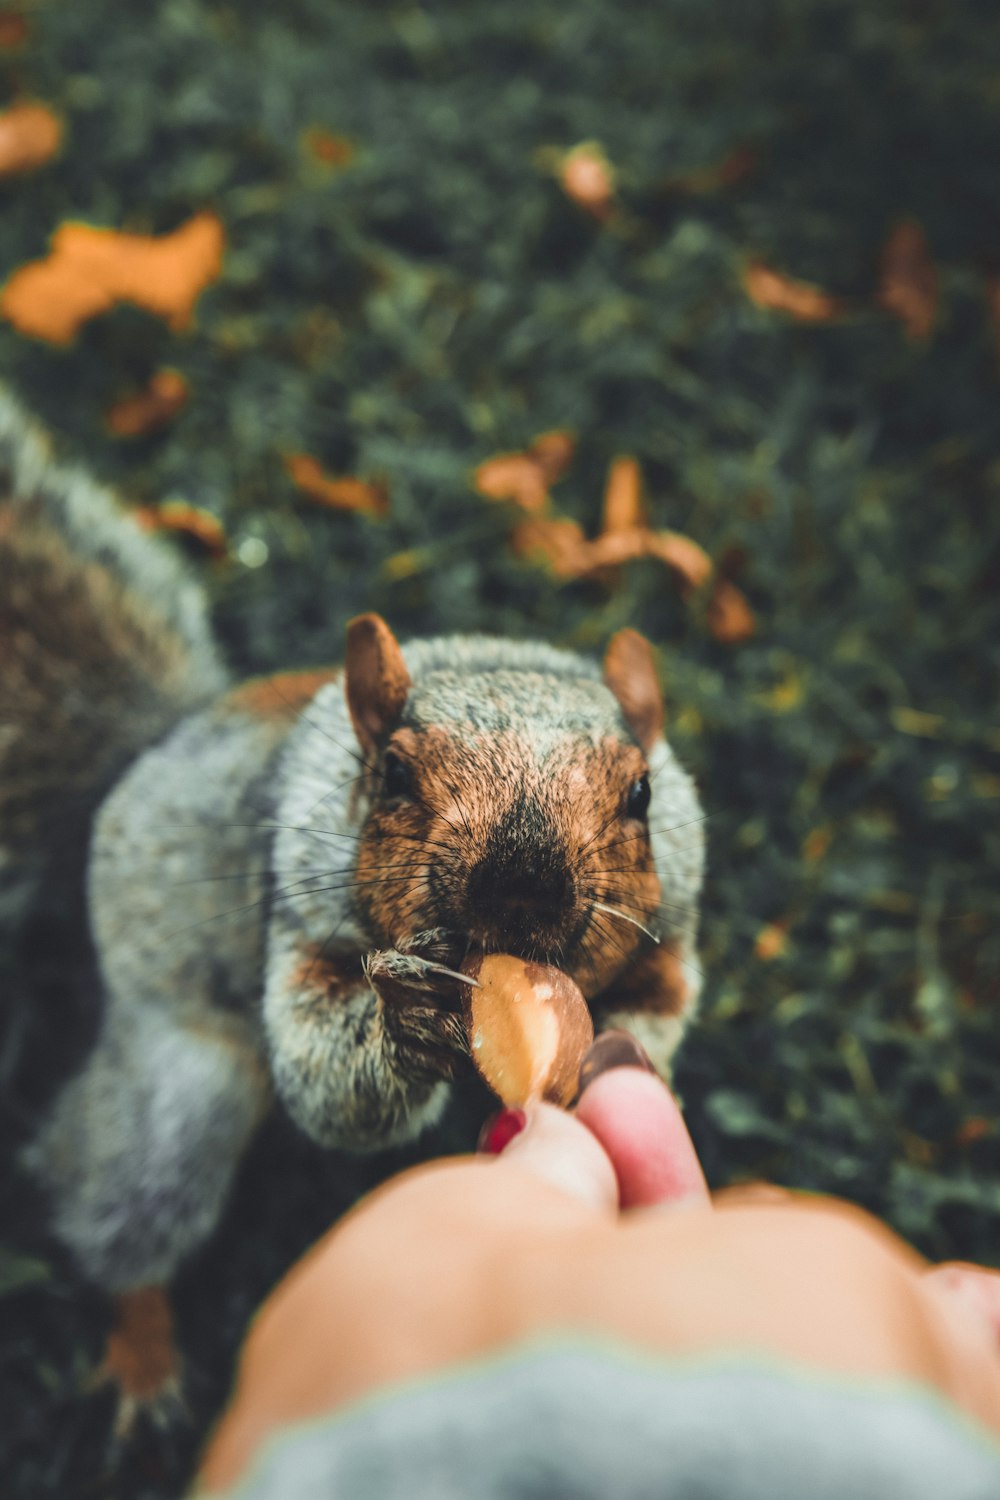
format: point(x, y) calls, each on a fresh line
point(440, 299)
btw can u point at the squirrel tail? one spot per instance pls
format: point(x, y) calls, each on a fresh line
point(104, 644)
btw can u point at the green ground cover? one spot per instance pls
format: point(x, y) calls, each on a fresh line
point(437, 299)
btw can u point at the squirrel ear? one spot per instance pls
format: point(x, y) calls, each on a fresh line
point(376, 679)
point(630, 673)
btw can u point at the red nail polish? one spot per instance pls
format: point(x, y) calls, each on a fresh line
point(499, 1130)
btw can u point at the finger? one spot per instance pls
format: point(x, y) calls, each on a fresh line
point(640, 1126)
point(558, 1149)
point(976, 1287)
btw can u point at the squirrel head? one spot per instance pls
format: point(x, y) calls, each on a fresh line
point(508, 796)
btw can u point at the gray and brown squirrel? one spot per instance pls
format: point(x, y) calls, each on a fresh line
point(379, 821)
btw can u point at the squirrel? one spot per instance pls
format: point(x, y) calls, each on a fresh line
point(379, 821)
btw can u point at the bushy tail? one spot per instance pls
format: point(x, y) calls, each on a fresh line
point(104, 644)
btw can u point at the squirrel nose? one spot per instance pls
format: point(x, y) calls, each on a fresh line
point(521, 893)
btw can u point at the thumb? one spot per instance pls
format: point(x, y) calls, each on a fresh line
point(551, 1145)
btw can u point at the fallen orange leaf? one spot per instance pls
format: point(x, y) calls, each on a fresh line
point(973, 1129)
point(908, 283)
point(562, 545)
point(513, 476)
point(617, 547)
point(525, 477)
point(340, 493)
point(683, 555)
point(587, 177)
point(188, 520)
point(148, 410)
point(624, 515)
point(331, 150)
point(728, 615)
point(90, 270)
point(30, 135)
point(556, 541)
point(772, 941)
point(777, 293)
point(623, 507)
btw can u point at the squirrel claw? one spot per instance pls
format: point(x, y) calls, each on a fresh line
point(399, 973)
point(141, 1362)
point(165, 1410)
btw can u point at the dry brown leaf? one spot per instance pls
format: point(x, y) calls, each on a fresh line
point(13, 30)
point(683, 555)
point(588, 178)
point(623, 507)
point(30, 135)
point(617, 547)
point(908, 281)
point(343, 492)
point(188, 520)
point(570, 555)
point(556, 541)
point(525, 477)
point(148, 410)
point(728, 615)
point(679, 553)
point(777, 293)
point(90, 270)
point(513, 476)
point(331, 150)
point(553, 452)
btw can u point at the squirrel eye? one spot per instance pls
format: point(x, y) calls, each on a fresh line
point(637, 802)
point(397, 778)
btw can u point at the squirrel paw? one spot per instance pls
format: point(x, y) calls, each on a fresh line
point(417, 963)
point(141, 1361)
point(420, 1010)
point(403, 976)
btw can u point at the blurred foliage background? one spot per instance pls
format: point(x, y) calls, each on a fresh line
point(409, 288)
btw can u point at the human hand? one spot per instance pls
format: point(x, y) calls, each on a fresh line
point(458, 1259)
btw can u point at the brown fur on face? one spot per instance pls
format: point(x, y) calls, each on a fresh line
point(512, 849)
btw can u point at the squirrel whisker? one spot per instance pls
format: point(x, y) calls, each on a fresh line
point(601, 926)
point(614, 912)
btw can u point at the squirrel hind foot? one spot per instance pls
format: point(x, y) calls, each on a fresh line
point(141, 1363)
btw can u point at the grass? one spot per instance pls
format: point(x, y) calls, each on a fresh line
point(439, 299)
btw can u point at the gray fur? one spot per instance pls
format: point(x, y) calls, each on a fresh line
point(320, 810)
point(91, 518)
point(104, 644)
point(677, 831)
point(139, 1153)
point(337, 1070)
point(179, 870)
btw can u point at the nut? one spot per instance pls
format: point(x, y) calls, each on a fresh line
point(528, 1027)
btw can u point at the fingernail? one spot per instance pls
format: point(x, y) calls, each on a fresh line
point(613, 1049)
point(499, 1130)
